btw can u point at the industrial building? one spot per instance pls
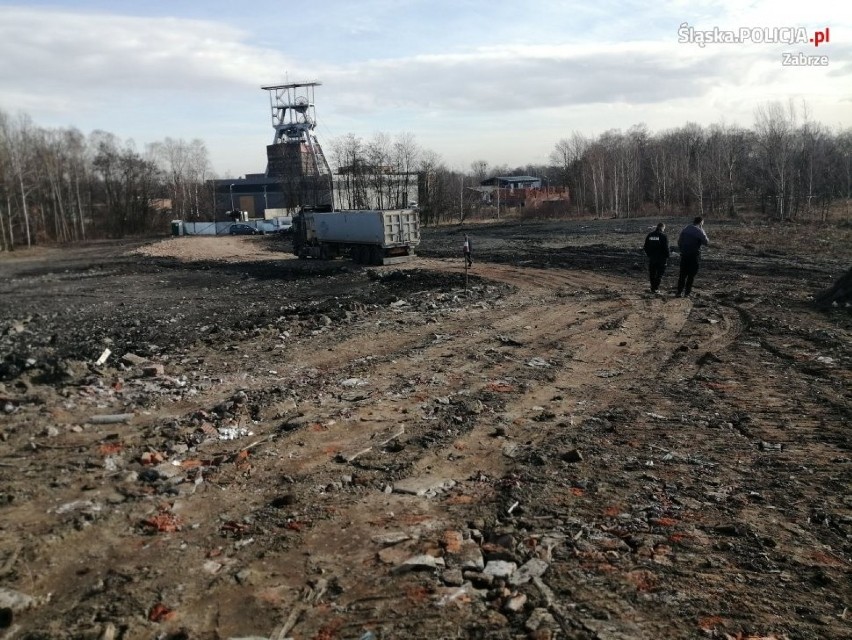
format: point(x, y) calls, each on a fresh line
point(522, 192)
point(297, 172)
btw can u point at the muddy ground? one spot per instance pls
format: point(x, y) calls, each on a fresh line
point(310, 450)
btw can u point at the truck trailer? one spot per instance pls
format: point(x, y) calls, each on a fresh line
point(368, 237)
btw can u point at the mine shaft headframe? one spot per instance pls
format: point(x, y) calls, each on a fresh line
point(293, 110)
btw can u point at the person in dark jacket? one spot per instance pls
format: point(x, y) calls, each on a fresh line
point(658, 251)
point(690, 241)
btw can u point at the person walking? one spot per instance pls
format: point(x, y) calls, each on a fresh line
point(657, 249)
point(690, 241)
point(467, 248)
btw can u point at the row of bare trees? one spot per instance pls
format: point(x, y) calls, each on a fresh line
point(57, 185)
point(786, 166)
point(389, 173)
point(380, 173)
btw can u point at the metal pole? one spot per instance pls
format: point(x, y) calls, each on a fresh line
point(465, 273)
point(232, 197)
point(461, 198)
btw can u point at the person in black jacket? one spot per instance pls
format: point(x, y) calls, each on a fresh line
point(657, 249)
point(690, 241)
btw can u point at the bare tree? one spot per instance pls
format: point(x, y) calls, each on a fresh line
point(438, 188)
point(197, 172)
point(774, 126)
point(844, 151)
point(347, 155)
point(15, 138)
point(571, 162)
point(406, 155)
point(377, 167)
point(479, 169)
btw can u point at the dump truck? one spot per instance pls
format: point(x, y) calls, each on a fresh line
point(368, 237)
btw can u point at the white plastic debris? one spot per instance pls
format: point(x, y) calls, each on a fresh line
point(234, 433)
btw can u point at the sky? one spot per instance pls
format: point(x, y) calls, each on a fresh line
point(469, 79)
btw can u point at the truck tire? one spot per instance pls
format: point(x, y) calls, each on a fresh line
point(376, 256)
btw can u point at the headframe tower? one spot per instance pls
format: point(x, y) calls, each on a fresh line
point(295, 157)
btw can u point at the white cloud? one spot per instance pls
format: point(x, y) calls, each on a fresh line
point(101, 56)
point(484, 84)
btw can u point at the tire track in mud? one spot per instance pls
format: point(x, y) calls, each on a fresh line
point(642, 321)
point(574, 321)
point(544, 325)
point(684, 380)
point(597, 330)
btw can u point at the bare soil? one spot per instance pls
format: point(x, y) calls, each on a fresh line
point(276, 448)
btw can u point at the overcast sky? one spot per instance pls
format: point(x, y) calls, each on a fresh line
point(471, 79)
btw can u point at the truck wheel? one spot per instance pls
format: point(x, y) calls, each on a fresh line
point(323, 252)
point(376, 256)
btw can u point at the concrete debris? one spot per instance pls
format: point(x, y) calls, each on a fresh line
point(113, 418)
point(540, 618)
point(454, 595)
point(15, 601)
point(469, 556)
point(15, 328)
point(533, 568)
point(211, 566)
point(354, 382)
point(538, 363)
point(133, 359)
point(453, 577)
point(478, 578)
point(83, 506)
point(499, 568)
point(423, 485)
point(420, 563)
point(516, 603)
point(391, 538)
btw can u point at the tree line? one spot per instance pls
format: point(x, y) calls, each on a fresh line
point(58, 185)
point(785, 167)
point(379, 173)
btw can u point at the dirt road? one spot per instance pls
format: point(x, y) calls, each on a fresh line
point(277, 448)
